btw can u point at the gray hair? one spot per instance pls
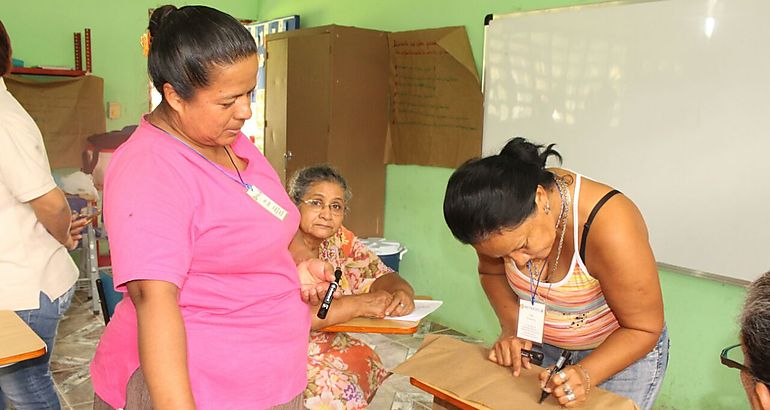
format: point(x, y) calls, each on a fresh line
point(304, 178)
point(755, 328)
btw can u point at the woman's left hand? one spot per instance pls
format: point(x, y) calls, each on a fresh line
point(402, 304)
point(76, 231)
point(566, 386)
point(315, 276)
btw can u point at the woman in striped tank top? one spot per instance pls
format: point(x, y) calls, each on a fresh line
point(600, 293)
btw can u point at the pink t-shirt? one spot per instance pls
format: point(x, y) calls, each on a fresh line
point(171, 215)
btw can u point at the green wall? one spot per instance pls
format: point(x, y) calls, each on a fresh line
point(41, 34)
point(700, 313)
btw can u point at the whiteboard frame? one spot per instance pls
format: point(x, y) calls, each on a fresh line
point(703, 275)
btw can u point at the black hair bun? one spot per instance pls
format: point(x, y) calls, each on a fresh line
point(524, 152)
point(158, 18)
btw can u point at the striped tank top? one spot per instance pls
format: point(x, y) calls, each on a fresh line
point(577, 316)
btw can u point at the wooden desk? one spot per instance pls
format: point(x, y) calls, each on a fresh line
point(386, 326)
point(444, 400)
point(17, 341)
point(364, 325)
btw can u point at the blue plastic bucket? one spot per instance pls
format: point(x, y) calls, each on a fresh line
point(390, 252)
point(391, 260)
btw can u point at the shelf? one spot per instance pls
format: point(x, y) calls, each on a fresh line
point(76, 72)
point(47, 71)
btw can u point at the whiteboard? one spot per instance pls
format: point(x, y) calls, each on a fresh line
point(668, 101)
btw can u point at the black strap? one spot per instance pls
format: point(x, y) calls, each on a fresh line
point(590, 219)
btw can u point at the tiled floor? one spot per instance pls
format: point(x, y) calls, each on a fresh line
point(80, 329)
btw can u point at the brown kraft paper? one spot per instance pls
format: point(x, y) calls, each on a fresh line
point(463, 370)
point(66, 111)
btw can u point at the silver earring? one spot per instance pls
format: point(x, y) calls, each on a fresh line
point(547, 208)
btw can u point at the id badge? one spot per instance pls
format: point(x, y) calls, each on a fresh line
point(531, 321)
point(265, 202)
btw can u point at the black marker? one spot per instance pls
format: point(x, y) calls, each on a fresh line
point(564, 359)
point(327, 302)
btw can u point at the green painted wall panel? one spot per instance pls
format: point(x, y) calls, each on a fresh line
point(41, 34)
point(700, 313)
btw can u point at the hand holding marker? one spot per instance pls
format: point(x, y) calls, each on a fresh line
point(327, 300)
point(564, 359)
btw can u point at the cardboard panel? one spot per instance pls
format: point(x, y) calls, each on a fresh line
point(66, 111)
point(359, 122)
point(437, 104)
point(463, 370)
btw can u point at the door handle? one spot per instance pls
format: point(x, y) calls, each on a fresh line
point(288, 155)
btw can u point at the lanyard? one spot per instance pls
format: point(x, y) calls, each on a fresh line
point(532, 286)
point(227, 174)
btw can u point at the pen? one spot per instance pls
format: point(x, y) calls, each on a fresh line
point(533, 356)
point(565, 357)
point(327, 301)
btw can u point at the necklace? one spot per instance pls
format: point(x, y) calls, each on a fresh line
point(562, 220)
point(239, 180)
point(561, 186)
point(234, 166)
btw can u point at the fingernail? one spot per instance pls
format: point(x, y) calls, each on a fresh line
point(516, 373)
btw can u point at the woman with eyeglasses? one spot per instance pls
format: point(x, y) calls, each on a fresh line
point(343, 372)
point(752, 356)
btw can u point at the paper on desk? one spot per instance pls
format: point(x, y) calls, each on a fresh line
point(422, 308)
point(463, 370)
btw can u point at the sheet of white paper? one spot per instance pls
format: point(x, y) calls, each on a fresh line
point(422, 308)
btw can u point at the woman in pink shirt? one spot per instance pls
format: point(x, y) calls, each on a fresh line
point(200, 230)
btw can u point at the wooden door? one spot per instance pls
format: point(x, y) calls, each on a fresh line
point(276, 70)
point(297, 102)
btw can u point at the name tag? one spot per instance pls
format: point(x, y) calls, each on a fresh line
point(265, 202)
point(531, 321)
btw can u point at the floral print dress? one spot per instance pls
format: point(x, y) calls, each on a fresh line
point(344, 372)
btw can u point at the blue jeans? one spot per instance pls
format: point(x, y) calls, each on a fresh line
point(28, 384)
point(639, 382)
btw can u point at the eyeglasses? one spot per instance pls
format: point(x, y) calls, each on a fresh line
point(732, 357)
point(336, 208)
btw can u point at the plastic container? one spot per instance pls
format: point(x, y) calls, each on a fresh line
point(390, 252)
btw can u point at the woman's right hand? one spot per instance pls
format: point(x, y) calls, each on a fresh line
point(315, 276)
point(374, 304)
point(507, 351)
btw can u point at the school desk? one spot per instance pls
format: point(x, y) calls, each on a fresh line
point(17, 340)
